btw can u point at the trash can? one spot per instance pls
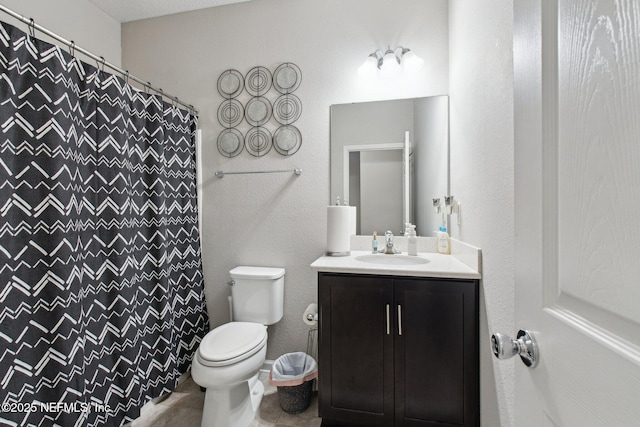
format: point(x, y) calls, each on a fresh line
point(293, 374)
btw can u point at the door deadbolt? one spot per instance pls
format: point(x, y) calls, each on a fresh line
point(505, 347)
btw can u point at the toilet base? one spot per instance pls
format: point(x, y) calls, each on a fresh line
point(235, 407)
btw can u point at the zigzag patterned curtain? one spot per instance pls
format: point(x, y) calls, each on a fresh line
point(101, 297)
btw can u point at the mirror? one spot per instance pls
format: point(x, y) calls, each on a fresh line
point(368, 147)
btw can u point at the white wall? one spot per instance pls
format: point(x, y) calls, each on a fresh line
point(482, 175)
point(280, 219)
point(77, 20)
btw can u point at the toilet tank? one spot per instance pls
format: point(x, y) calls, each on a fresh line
point(258, 294)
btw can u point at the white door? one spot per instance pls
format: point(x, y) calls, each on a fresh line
point(381, 198)
point(577, 136)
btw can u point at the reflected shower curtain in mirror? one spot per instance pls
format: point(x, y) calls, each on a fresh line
point(101, 298)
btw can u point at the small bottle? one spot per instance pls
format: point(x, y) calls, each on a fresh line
point(444, 243)
point(412, 241)
point(374, 243)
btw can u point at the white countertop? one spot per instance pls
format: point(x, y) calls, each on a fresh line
point(439, 265)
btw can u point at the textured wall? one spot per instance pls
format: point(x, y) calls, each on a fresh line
point(481, 89)
point(280, 220)
point(77, 20)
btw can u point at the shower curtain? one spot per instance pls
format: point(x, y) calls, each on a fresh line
point(101, 290)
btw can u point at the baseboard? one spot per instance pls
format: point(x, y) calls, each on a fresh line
point(266, 366)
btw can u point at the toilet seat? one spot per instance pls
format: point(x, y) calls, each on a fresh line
point(231, 343)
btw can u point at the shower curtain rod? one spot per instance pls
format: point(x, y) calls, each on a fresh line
point(100, 59)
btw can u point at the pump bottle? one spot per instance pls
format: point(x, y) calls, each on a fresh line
point(412, 241)
point(444, 242)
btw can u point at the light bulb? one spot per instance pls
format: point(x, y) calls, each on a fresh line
point(390, 66)
point(370, 67)
point(411, 61)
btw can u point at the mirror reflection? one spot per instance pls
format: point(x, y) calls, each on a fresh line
point(368, 162)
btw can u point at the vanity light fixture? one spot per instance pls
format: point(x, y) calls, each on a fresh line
point(390, 62)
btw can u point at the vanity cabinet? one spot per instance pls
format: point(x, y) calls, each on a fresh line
point(397, 351)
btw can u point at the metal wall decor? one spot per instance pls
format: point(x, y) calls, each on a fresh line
point(258, 111)
point(230, 142)
point(287, 77)
point(287, 140)
point(258, 81)
point(287, 109)
point(258, 141)
point(230, 84)
point(230, 113)
point(268, 96)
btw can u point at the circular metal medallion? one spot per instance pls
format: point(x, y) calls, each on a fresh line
point(287, 109)
point(287, 140)
point(230, 142)
point(230, 83)
point(287, 78)
point(258, 141)
point(230, 113)
point(258, 81)
point(258, 111)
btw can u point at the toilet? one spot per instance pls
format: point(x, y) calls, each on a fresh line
point(229, 357)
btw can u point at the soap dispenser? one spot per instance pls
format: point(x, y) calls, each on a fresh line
point(412, 241)
point(444, 243)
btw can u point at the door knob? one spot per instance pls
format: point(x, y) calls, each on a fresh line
point(505, 347)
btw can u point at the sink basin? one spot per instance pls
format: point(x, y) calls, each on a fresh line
point(396, 259)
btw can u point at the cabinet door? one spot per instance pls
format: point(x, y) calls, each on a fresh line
point(355, 349)
point(436, 353)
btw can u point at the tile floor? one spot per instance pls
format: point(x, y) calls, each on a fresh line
point(183, 408)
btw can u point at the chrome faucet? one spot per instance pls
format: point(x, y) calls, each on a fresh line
point(388, 247)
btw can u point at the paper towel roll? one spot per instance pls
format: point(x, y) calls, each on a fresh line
point(310, 314)
point(338, 230)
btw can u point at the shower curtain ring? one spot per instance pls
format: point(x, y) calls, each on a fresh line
point(72, 49)
point(101, 63)
point(146, 87)
point(126, 76)
point(32, 27)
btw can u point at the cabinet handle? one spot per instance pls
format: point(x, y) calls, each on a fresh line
point(399, 319)
point(388, 323)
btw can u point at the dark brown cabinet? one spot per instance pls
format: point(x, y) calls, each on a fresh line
point(397, 351)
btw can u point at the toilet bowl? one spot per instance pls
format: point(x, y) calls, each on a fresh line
point(229, 357)
point(227, 365)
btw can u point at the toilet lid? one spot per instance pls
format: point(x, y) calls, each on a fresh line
point(256, 273)
point(232, 342)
